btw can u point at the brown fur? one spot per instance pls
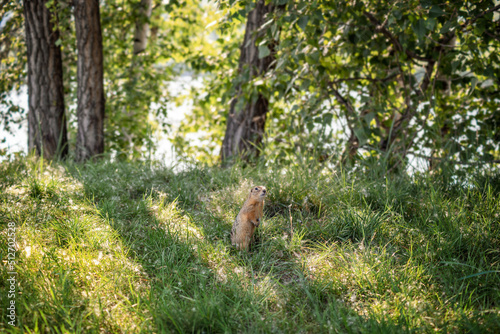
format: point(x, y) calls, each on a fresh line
point(248, 219)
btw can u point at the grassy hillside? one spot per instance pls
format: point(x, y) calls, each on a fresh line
point(130, 247)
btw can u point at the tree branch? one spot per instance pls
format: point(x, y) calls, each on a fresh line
point(466, 23)
point(380, 28)
point(390, 77)
point(342, 100)
point(353, 143)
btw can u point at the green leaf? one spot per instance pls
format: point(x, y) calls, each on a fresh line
point(281, 62)
point(264, 51)
point(456, 65)
point(397, 14)
point(327, 118)
point(489, 72)
point(436, 11)
point(310, 126)
point(425, 3)
point(305, 85)
point(360, 134)
point(419, 29)
point(369, 117)
point(430, 23)
point(302, 23)
point(314, 56)
point(474, 83)
point(479, 28)
point(446, 27)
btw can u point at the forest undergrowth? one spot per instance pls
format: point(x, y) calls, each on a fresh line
point(136, 247)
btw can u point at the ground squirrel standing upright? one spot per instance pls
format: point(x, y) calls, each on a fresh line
point(248, 219)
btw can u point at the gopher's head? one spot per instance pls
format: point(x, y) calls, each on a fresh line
point(258, 193)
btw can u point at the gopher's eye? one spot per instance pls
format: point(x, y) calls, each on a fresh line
point(256, 188)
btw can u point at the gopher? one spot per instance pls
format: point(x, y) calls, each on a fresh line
point(248, 219)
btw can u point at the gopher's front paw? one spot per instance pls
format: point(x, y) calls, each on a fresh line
point(256, 223)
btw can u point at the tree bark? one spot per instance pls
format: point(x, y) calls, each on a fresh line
point(142, 26)
point(245, 125)
point(90, 110)
point(47, 132)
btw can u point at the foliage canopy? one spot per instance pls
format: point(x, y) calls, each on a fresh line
point(353, 81)
point(380, 80)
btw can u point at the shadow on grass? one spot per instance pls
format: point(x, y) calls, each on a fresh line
point(352, 259)
point(70, 271)
point(389, 258)
point(198, 282)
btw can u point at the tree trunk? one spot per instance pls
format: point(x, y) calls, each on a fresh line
point(142, 26)
point(246, 121)
point(90, 111)
point(47, 133)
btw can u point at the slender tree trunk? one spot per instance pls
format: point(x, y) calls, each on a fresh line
point(90, 112)
point(246, 121)
point(142, 26)
point(133, 84)
point(47, 133)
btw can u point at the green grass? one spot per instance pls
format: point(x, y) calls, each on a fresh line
point(135, 247)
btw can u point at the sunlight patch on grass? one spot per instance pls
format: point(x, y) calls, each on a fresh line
point(72, 268)
point(376, 283)
point(172, 219)
point(130, 246)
